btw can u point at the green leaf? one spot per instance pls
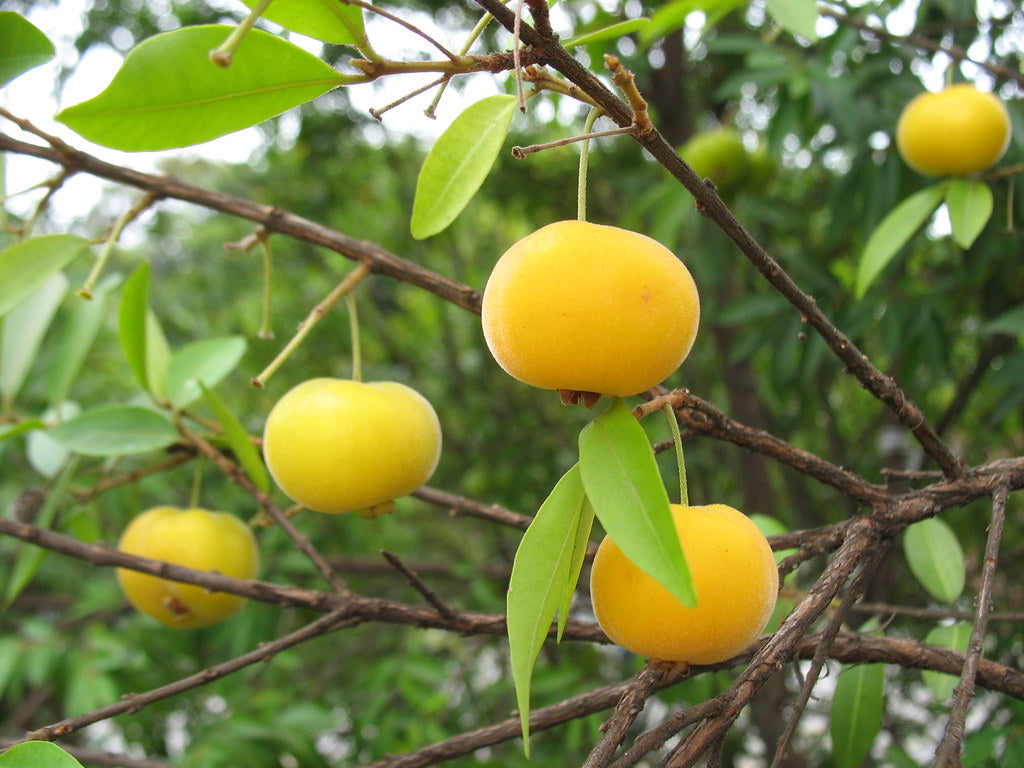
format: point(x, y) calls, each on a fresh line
point(612, 32)
point(44, 454)
point(22, 46)
point(201, 362)
point(37, 754)
point(238, 440)
point(894, 231)
point(954, 637)
point(459, 162)
point(1010, 322)
point(83, 325)
point(798, 17)
point(115, 431)
point(23, 331)
point(935, 558)
point(542, 575)
point(672, 16)
point(325, 20)
point(142, 339)
point(970, 207)
point(856, 713)
point(622, 481)
point(21, 428)
point(168, 93)
point(24, 267)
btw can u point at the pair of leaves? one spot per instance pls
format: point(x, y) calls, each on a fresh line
point(616, 479)
point(969, 204)
point(22, 46)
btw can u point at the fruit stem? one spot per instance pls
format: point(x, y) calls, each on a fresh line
point(581, 190)
point(353, 318)
point(222, 55)
point(108, 247)
point(677, 440)
point(352, 279)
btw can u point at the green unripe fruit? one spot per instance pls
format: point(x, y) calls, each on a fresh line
point(718, 155)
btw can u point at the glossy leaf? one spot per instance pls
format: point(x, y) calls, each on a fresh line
point(207, 362)
point(893, 233)
point(326, 20)
point(623, 483)
point(673, 15)
point(459, 162)
point(37, 754)
point(856, 715)
point(238, 441)
point(22, 46)
point(798, 17)
point(542, 576)
point(26, 266)
point(168, 94)
point(115, 431)
point(954, 637)
point(23, 331)
point(935, 558)
point(142, 339)
point(612, 32)
point(970, 207)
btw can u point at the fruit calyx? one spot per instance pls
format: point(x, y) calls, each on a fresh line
point(576, 396)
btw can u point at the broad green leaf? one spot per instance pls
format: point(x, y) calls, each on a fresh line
point(542, 575)
point(326, 20)
point(168, 93)
point(1010, 322)
point(23, 331)
point(459, 162)
point(970, 206)
point(26, 266)
point(22, 46)
point(856, 713)
point(612, 32)
point(44, 454)
point(201, 362)
point(954, 637)
point(894, 231)
point(798, 17)
point(142, 339)
point(238, 440)
point(37, 754)
point(84, 322)
point(935, 558)
point(622, 481)
point(115, 431)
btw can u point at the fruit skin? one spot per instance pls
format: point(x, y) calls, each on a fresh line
point(337, 445)
point(196, 538)
point(590, 308)
point(736, 581)
point(718, 154)
point(954, 132)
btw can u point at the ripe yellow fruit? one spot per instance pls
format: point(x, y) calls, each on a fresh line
point(337, 445)
point(196, 538)
point(589, 310)
point(734, 575)
point(954, 132)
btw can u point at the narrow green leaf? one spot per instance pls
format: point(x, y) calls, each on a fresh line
point(21, 428)
point(935, 558)
point(27, 265)
point(168, 93)
point(325, 20)
point(894, 231)
point(459, 162)
point(37, 754)
point(158, 356)
point(541, 576)
point(798, 17)
point(23, 331)
point(238, 440)
point(970, 207)
point(202, 362)
point(83, 325)
point(115, 431)
point(612, 32)
point(22, 46)
point(142, 339)
point(584, 526)
point(954, 637)
point(622, 481)
point(856, 714)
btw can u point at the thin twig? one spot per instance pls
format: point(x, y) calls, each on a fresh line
point(417, 583)
point(521, 152)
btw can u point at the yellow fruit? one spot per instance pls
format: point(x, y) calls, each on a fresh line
point(734, 575)
point(954, 132)
point(589, 310)
point(196, 538)
point(336, 445)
